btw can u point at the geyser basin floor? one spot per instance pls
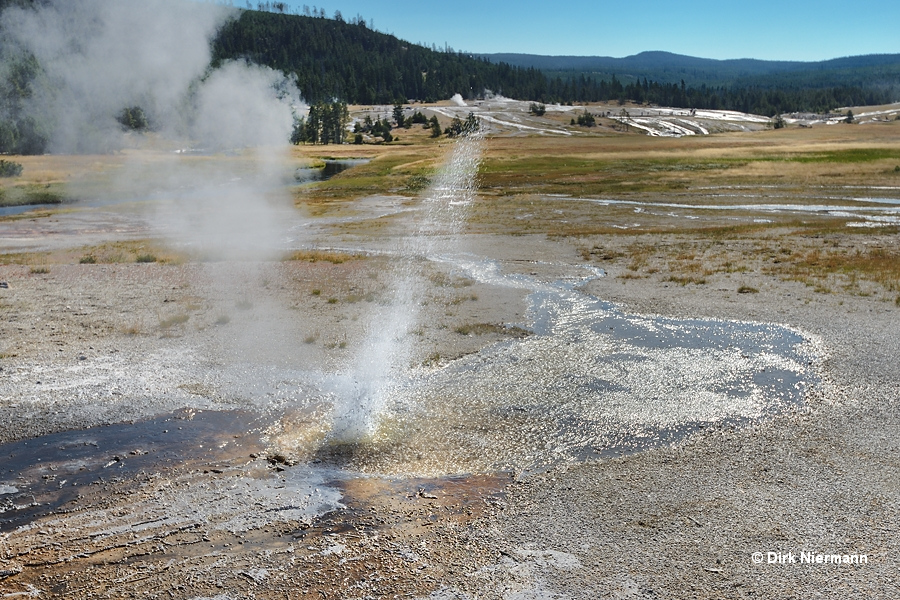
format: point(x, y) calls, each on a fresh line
point(217, 516)
point(186, 503)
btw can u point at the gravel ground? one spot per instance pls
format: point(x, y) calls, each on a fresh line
point(685, 521)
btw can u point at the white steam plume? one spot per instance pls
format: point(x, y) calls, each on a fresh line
point(236, 107)
point(98, 57)
point(458, 100)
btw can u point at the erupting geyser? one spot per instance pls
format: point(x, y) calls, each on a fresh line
point(382, 363)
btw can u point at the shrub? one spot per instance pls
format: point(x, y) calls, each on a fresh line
point(133, 118)
point(179, 319)
point(9, 168)
point(432, 360)
point(43, 195)
point(586, 119)
point(88, 259)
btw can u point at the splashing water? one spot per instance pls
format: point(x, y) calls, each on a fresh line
point(382, 364)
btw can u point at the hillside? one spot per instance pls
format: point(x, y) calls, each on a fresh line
point(334, 59)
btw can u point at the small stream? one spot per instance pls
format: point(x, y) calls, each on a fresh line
point(332, 167)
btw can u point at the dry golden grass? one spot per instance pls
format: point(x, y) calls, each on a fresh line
point(878, 265)
point(174, 320)
point(861, 265)
point(332, 257)
point(628, 164)
point(518, 173)
point(125, 175)
point(125, 251)
point(61, 168)
point(140, 251)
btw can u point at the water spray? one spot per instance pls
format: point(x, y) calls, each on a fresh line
point(382, 364)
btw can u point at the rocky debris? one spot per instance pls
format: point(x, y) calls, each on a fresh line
point(9, 570)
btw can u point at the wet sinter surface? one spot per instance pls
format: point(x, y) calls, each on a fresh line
point(592, 380)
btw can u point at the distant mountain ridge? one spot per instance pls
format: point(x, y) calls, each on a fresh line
point(667, 67)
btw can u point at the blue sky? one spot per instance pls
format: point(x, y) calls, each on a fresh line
point(762, 29)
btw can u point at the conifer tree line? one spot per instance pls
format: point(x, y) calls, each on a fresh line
point(756, 99)
point(20, 132)
point(382, 127)
point(326, 123)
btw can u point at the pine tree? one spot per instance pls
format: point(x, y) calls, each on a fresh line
point(435, 126)
point(398, 115)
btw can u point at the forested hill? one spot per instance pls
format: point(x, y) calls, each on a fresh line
point(666, 67)
point(333, 59)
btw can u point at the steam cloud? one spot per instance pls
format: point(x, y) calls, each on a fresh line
point(210, 175)
point(457, 99)
point(98, 57)
point(235, 107)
